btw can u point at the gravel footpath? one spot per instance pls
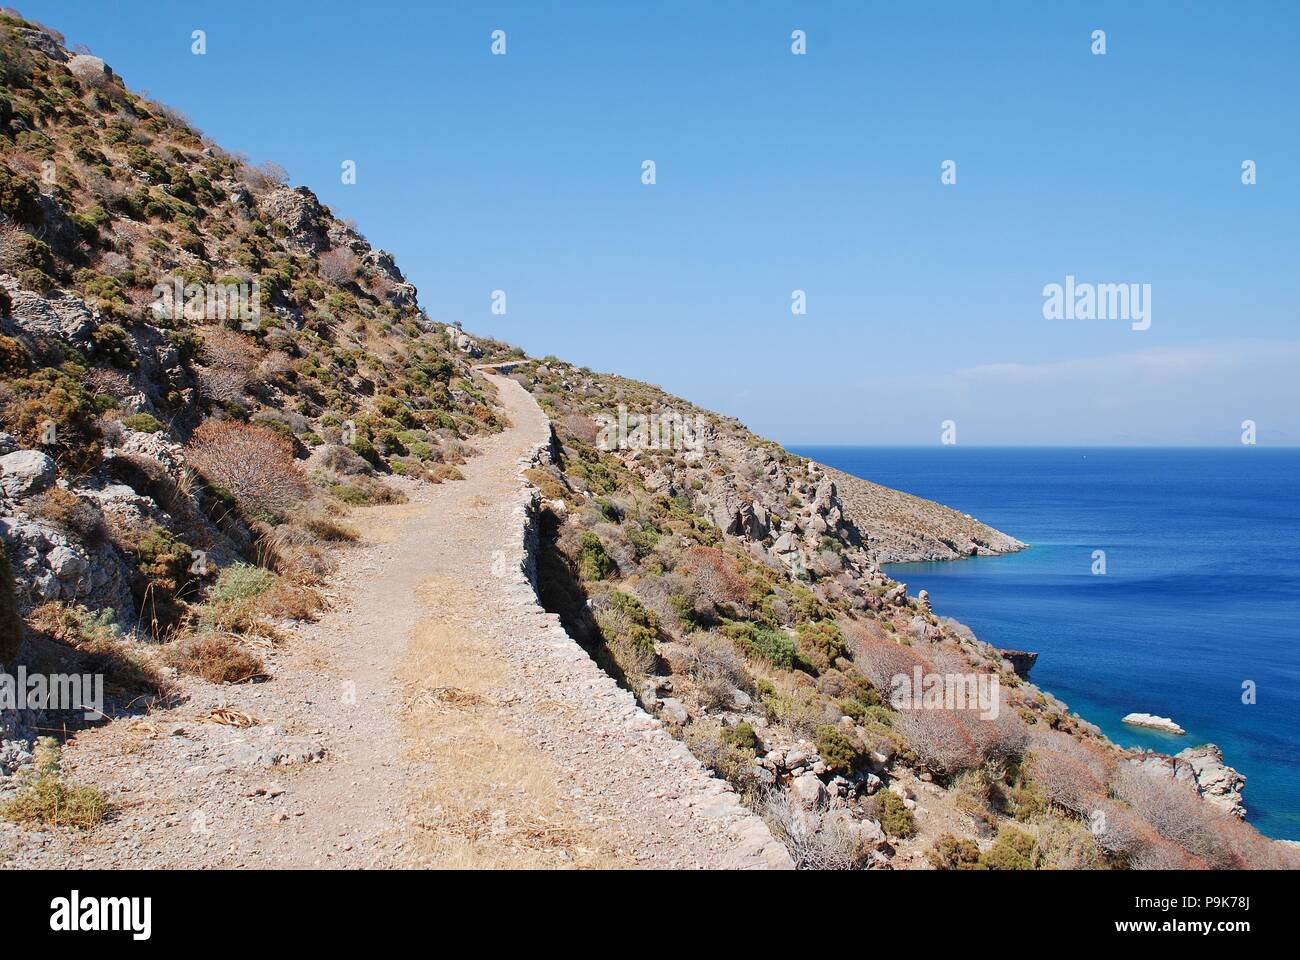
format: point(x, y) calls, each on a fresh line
point(365, 755)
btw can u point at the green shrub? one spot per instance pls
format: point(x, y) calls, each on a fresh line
point(951, 853)
point(593, 562)
point(113, 345)
point(164, 559)
point(366, 450)
point(684, 609)
point(240, 581)
point(19, 196)
point(24, 252)
point(895, 819)
point(144, 423)
point(349, 493)
point(49, 397)
point(1012, 850)
point(14, 358)
point(837, 750)
point(821, 643)
point(741, 737)
point(763, 642)
point(629, 631)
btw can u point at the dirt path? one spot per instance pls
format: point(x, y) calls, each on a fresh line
point(435, 717)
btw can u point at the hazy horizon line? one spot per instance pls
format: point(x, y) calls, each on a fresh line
point(1048, 446)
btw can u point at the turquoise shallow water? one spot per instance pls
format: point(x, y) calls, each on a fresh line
point(1201, 591)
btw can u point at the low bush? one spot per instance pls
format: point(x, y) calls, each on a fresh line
point(763, 642)
point(629, 631)
point(716, 575)
point(45, 797)
point(144, 423)
point(742, 737)
point(821, 643)
point(70, 512)
point(100, 645)
point(216, 657)
point(953, 853)
point(51, 410)
point(895, 819)
point(837, 749)
point(715, 667)
point(824, 842)
point(1012, 850)
point(255, 464)
point(593, 562)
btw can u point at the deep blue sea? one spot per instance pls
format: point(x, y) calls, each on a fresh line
point(1201, 591)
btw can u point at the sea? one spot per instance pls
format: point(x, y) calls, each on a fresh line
point(1157, 580)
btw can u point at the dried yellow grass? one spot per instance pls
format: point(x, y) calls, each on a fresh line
point(490, 799)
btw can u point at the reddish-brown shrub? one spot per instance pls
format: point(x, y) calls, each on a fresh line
point(882, 659)
point(338, 266)
point(582, 426)
point(716, 575)
point(1179, 815)
point(1066, 781)
point(1003, 737)
point(225, 349)
point(939, 740)
point(255, 465)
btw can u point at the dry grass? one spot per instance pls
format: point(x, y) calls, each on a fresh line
point(490, 799)
point(246, 600)
point(72, 639)
point(45, 797)
point(216, 657)
point(326, 528)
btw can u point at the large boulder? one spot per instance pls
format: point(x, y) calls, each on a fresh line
point(809, 791)
point(91, 70)
point(42, 42)
point(50, 566)
point(299, 210)
point(24, 473)
point(1217, 782)
point(57, 313)
point(463, 342)
point(1201, 769)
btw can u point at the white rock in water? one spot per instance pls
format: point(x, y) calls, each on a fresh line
point(1154, 722)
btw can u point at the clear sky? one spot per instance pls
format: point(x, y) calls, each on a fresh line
point(821, 173)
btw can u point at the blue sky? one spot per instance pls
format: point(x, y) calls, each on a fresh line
point(819, 172)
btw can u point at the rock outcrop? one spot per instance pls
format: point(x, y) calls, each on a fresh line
point(1163, 724)
point(1201, 768)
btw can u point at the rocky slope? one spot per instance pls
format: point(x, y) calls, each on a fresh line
point(201, 370)
point(900, 527)
point(737, 589)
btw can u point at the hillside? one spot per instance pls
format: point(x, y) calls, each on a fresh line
point(219, 402)
point(738, 591)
